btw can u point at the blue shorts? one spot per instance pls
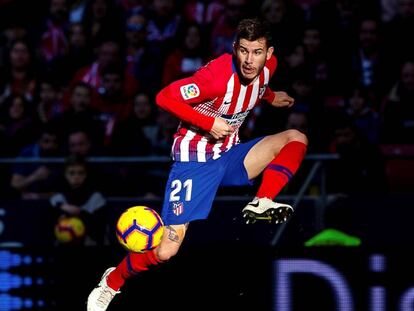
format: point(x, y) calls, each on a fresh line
point(192, 186)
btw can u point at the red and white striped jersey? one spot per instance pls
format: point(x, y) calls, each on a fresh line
point(213, 91)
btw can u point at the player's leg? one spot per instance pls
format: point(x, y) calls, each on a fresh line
point(134, 263)
point(278, 156)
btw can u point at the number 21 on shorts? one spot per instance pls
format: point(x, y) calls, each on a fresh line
point(176, 187)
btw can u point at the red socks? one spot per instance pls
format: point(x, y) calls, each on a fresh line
point(132, 264)
point(281, 169)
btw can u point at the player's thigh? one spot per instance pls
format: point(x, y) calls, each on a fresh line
point(236, 173)
point(171, 241)
point(265, 150)
point(190, 191)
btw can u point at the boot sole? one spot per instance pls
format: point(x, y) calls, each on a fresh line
point(272, 215)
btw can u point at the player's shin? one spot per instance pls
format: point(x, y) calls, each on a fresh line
point(282, 168)
point(131, 265)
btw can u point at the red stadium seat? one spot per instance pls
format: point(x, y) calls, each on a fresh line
point(399, 167)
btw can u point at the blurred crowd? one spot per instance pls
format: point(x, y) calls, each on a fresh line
point(78, 78)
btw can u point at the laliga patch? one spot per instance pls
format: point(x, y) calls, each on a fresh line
point(189, 91)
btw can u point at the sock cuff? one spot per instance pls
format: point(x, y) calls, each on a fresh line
point(152, 257)
point(281, 169)
point(296, 144)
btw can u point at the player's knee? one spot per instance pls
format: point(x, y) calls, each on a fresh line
point(295, 135)
point(166, 253)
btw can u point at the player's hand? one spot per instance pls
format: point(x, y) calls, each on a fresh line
point(70, 209)
point(282, 99)
point(41, 173)
point(221, 129)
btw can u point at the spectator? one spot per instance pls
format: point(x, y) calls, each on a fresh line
point(369, 60)
point(76, 10)
point(189, 55)
point(282, 15)
point(300, 120)
point(359, 108)
point(143, 58)
point(204, 13)
point(290, 66)
point(398, 32)
point(307, 97)
point(54, 42)
point(389, 9)
point(224, 30)
point(79, 53)
point(115, 98)
point(361, 168)
point(102, 20)
point(339, 20)
point(78, 196)
point(80, 115)
point(48, 102)
point(109, 52)
point(166, 125)
point(160, 142)
point(398, 109)
point(17, 125)
point(105, 178)
point(19, 76)
point(145, 113)
point(163, 24)
point(37, 180)
point(116, 89)
point(132, 136)
point(133, 6)
point(12, 31)
point(80, 144)
point(315, 50)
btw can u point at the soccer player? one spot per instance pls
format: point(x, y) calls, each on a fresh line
point(212, 105)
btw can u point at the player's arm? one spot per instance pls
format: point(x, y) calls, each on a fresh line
point(21, 182)
point(179, 97)
point(281, 99)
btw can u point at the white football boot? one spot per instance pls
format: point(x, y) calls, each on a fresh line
point(102, 295)
point(266, 209)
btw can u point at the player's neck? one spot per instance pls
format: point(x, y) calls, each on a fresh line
point(247, 81)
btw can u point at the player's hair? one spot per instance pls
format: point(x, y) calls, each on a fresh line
point(253, 29)
point(73, 160)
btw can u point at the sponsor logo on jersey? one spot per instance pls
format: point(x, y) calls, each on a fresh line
point(189, 91)
point(236, 119)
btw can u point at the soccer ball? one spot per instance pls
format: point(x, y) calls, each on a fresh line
point(69, 229)
point(139, 228)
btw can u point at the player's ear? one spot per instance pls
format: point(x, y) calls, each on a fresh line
point(269, 52)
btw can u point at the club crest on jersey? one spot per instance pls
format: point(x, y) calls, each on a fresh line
point(178, 208)
point(262, 90)
point(189, 91)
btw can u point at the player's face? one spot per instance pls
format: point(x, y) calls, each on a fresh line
point(251, 57)
point(75, 175)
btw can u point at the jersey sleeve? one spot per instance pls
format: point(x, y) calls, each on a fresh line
point(271, 64)
point(178, 97)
